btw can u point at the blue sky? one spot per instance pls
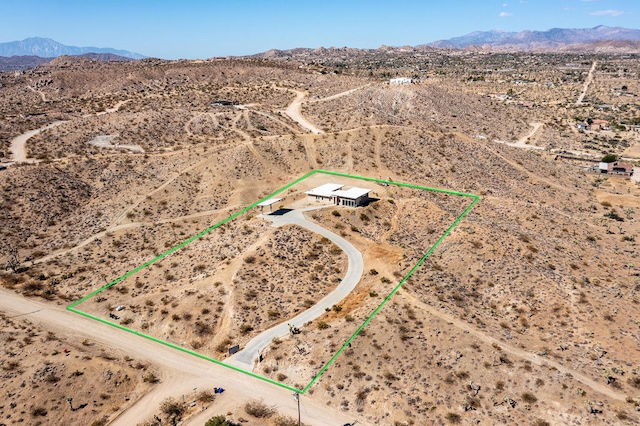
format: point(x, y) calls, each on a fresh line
point(206, 28)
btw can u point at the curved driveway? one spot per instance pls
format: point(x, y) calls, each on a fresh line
point(245, 358)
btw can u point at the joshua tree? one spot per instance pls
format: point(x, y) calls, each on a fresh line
point(14, 260)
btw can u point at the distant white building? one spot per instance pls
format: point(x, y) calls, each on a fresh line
point(401, 80)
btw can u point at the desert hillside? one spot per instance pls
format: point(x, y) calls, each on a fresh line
point(526, 312)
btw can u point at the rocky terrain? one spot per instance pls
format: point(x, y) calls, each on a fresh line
point(526, 312)
point(48, 379)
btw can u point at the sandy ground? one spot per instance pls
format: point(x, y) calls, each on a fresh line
point(181, 372)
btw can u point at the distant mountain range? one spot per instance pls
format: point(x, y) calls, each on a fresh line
point(48, 48)
point(601, 39)
point(553, 39)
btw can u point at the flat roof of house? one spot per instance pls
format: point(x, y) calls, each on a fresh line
point(269, 202)
point(327, 190)
point(351, 193)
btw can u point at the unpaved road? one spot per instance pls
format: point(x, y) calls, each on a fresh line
point(339, 95)
point(181, 372)
point(294, 112)
point(18, 144)
point(245, 358)
point(587, 82)
point(522, 142)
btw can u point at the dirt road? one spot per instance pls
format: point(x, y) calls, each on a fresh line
point(245, 358)
point(294, 112)
point(18, 144)
point(522, 142)
point(181, 372)
point(587, 82)
point(339, 95)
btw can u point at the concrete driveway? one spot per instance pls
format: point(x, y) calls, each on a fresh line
point(245, 358)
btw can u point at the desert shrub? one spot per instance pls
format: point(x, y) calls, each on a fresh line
point(322, 325)
point(38, 411)
point(634, 381)
point(206, 396)
point(529, 398)
point(150, 378)
point(361, 396)
point(453, 418)
point(285, 421)
point(219, 421)
point(259, 409)
point(101, 421)
point(202, 328)
point(51, 378)
point(173, 407)
point(32, 286)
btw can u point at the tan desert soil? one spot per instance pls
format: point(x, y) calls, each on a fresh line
point(533, 297)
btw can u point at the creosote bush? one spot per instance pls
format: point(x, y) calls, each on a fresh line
point(259, 409)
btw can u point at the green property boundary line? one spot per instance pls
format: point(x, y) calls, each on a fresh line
point(72, 307)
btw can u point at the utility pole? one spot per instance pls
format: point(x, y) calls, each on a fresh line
point(296, 396)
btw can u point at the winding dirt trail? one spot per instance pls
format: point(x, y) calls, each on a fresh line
point(42, 95)
point(18, 144)
point(522, 142)
point(294, 111)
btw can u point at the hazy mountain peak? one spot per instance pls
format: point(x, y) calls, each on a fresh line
point(49, 48)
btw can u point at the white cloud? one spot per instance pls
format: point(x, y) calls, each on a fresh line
point(505, 4)
point(607, 12)
point(505, 14)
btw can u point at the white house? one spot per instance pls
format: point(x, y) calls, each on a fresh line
point(352, 197)
point(401, 80)
point(324, 192)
